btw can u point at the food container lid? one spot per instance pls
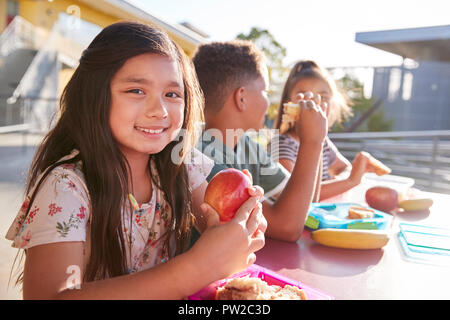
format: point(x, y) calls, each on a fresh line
point(425, 244)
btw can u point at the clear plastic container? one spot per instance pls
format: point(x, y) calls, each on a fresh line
point(398, 183)
point(426, 244)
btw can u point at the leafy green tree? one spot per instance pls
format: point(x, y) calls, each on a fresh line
point(275, 54)
point(361, 106)
point(274, 51)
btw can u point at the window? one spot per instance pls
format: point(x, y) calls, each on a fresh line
point(407, 86)
point(394, 84)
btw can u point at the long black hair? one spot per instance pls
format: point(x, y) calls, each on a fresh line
point(84, 125)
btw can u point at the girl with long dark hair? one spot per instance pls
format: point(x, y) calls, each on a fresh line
point(111, 201)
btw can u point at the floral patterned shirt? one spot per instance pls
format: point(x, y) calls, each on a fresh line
point(61, 212)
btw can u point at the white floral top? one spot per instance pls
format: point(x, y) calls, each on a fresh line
point(61, 212)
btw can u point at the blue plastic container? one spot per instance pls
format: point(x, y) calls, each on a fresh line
point(334, 215)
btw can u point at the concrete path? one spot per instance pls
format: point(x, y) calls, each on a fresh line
point(15, 158)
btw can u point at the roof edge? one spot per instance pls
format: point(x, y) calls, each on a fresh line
point(138, 11)
point(404, 35)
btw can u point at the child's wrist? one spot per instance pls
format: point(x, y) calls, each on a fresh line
point(197, 271)
point(311, 147)
point(312, 142)
point(353, 181)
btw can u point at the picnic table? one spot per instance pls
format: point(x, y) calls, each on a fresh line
point(385, 273)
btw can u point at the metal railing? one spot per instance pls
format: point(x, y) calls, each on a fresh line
point(19, 34)
point(32, 114)
point(421, 155)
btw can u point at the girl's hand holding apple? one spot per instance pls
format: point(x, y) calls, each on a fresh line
point(228, 243)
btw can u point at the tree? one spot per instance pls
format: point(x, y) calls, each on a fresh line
point(275, 54)
point(361, 105)
point(274, 51)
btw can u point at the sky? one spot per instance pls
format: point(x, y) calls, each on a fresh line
point(322, 30)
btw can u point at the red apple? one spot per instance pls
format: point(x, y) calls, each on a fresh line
point(227, 191)
point(382, 198)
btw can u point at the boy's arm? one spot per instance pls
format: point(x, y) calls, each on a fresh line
point(286, 217)
point(289, 166)
point(318, 183)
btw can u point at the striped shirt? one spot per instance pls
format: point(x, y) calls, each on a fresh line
point(288, 149)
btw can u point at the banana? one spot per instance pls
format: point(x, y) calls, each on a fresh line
point(415, 204)
point(351, 239)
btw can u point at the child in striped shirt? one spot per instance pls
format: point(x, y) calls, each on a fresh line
point(306, 78)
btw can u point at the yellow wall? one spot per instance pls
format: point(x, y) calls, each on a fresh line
point(64, 77)
point(44, 14)
point(2, 15)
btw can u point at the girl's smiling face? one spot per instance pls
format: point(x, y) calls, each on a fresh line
point(147, 104)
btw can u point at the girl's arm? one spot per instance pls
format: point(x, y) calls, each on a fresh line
point(332, 188)
point(335, 187)
point(49, 268)
point(287, 164)
point(198, 196)
point(339, 165)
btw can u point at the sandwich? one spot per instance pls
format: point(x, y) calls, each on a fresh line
point(356, 212)
point(250, 288)
point(291, 113)
point(378, 167)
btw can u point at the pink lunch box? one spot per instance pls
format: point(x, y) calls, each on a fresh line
point(269, 276)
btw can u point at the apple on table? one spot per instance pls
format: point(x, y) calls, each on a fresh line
point(382, 198)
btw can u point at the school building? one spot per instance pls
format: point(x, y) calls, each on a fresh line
point(40, 45)
point(415, 94)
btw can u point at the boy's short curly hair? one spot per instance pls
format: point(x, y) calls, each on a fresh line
point(222, 67)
